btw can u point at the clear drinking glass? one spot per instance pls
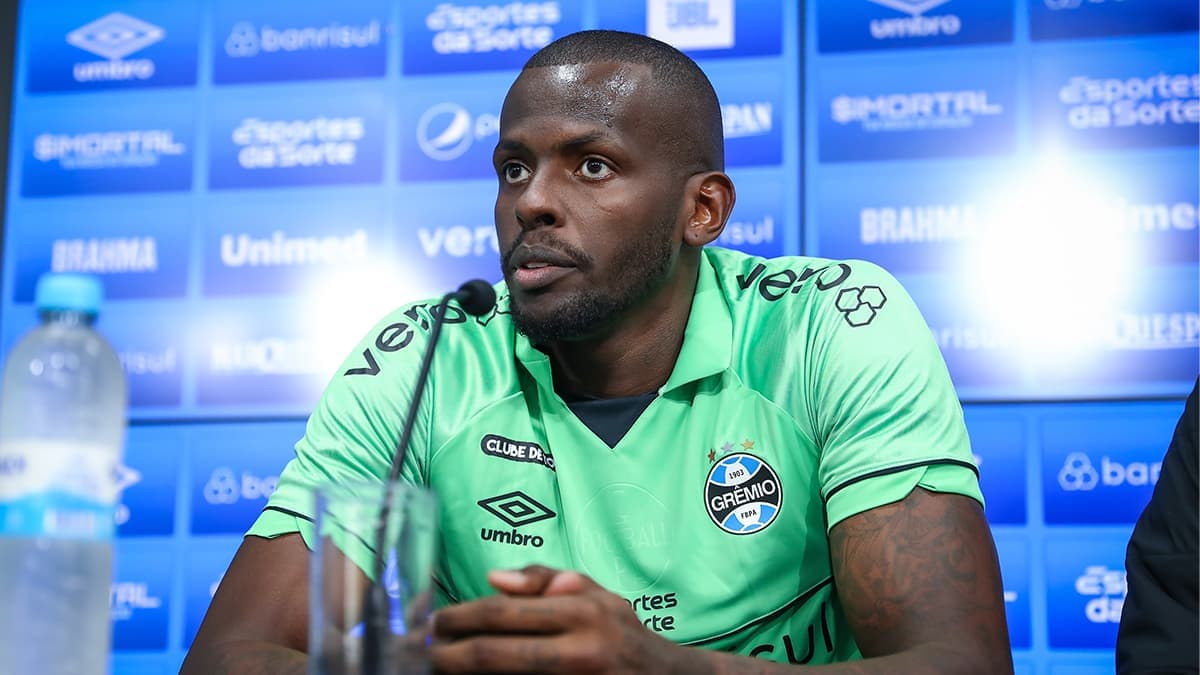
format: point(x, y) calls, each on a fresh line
point(355, 626)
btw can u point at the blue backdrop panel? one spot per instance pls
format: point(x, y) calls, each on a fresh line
point(258, 183)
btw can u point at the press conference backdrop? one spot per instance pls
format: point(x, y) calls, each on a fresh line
point(258, 182)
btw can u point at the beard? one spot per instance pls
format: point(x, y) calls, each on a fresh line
point(642, 267)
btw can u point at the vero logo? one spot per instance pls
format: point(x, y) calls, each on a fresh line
point(115, 36)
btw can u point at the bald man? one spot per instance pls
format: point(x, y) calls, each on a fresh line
point(727, 463)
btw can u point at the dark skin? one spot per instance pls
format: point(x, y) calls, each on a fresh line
point(581, 169)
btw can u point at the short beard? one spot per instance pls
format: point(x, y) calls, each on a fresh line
point(587, 312)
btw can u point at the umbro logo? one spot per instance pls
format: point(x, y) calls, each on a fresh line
point(516, 509)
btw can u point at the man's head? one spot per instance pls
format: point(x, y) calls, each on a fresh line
point(610, 165)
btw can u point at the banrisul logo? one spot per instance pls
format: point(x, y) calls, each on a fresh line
point(742, 494)
point(299, 41)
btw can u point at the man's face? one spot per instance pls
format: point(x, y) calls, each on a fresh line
point(588, 201)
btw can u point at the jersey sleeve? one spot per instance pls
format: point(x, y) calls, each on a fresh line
point(885, 411)
point(352, 434)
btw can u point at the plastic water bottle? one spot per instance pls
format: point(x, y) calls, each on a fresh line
point(62, 432)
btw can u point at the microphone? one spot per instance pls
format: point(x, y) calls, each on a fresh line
point(476, 297)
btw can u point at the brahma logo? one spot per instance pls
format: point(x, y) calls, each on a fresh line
point(691, 24)
point(742, 493)
point(113, 37)
point(116, 255)
point(446, 130)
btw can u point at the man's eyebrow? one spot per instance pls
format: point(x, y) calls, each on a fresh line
point(509, 145)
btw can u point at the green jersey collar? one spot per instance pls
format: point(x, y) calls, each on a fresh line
point(707, 340)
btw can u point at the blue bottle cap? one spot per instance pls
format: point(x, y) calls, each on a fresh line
point(69, 292)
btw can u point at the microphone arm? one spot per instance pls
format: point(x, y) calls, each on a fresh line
point(476, 297)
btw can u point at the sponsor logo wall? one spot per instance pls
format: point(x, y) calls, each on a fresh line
point(258, 183)
point(1028, 170)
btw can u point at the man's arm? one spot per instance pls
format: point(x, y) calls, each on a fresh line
point(918, 579)
point(1160, 621)
point(258, 620)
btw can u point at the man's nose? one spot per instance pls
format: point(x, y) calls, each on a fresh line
point(537, 205)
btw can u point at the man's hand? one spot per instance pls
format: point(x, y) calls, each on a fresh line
point(548, 621)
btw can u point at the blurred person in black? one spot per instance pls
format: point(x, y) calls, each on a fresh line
point(1160, 623)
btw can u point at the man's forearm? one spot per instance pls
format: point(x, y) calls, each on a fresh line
point(924, 660)
point(245, 657)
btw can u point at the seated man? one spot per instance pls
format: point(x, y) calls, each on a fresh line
point(673, 384)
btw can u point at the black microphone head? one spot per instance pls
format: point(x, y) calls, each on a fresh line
point(476, 297)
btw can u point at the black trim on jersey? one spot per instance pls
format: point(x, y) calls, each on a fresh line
point(610, 418)
point(453, 598)
point(289, 512)
point(800, 600)
point(898, 469)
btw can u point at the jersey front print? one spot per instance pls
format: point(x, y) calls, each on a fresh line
point(806, 391)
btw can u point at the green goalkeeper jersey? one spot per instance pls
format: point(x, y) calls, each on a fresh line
point(806, 391)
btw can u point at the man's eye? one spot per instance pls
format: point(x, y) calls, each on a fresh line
point(514, 173)
point(595, 168)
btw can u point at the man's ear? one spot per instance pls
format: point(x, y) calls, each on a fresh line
point(712, 201)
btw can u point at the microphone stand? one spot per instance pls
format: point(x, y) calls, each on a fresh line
point(476, 298)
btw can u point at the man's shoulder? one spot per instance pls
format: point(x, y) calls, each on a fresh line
point(794, 283)
point(400, 336)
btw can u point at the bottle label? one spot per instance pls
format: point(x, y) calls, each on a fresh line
point(57, 489)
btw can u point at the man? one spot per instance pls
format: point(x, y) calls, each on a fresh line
point(1161, 617)
point(752, 461)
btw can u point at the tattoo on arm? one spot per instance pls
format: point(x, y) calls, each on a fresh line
point(922, 572)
